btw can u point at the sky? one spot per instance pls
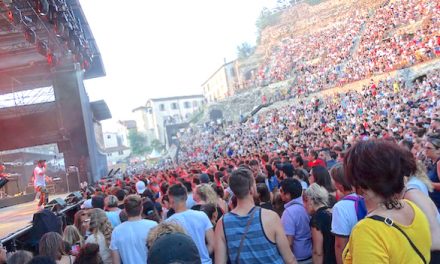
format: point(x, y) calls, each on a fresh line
point(164, 48)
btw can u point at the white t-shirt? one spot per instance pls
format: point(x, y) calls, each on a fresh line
point(130, 240)
point(113, 217)
point(39, 180)
point(344, 217)
point(195, 224)
point(104, 250)
point(190, 201)
point(415, 183)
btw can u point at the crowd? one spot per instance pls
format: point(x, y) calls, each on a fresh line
point(364, 43)
point(342, 178)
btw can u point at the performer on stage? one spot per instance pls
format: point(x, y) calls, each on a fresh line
point(40, 179)
point(2, 170)
point(3, 181)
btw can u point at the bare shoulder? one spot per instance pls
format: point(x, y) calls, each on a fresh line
point(271, 224)
point(269, 215)
point(423, 202)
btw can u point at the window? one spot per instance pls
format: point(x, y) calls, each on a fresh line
point(187, 104)
point(195, 103)
point(162, 107)
point(174, 106)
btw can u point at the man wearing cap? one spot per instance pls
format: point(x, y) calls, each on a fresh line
point(169, 245)
point(204, 178)
point(40, 183)
point(140, 187)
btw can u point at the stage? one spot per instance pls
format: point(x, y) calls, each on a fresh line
point(14, 218)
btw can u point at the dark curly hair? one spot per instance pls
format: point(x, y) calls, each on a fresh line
point(89, 254)
point(380, 166)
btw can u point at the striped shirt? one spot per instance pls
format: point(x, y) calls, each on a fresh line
point(257, 248)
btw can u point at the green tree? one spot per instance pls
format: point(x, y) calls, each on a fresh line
point(138, 143)
point(245, 50)
point(267, 18)
point(157, 145)
point(313, 2)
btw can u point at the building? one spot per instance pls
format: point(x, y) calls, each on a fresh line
point(123, 129)
point(128, 124)
point(157, 113)
point(116, 147)
point(221, 83)
point(144, 123)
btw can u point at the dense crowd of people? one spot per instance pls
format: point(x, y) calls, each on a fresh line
point(338, 179)
point(364, 43)
point(344, 178)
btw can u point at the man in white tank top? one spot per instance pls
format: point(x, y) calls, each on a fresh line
point(40, 183)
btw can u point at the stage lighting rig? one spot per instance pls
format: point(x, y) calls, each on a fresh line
point(42, 47)
point(52, 59)
point(42, 7)
point(74, 44)
point(14, 15)
point(63, 26)
point(30, 35)
point(52, 14)
point(86, 62)
point(54, 28)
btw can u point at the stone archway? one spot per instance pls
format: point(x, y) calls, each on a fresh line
point(215, 114)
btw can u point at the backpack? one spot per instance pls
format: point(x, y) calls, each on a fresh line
point(359, 205)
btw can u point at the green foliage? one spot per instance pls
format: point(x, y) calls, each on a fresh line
point(138, 143)
point(267, 18)
point(245, 50)
point(313, 2)
point(157, 145)
point(196, 116)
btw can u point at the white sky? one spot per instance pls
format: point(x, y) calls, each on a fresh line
point(164, 48)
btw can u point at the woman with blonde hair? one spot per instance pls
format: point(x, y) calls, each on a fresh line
point(316, 203)
point(166, 243)
point(81, 222)
point(101, 232)
point(205, 194)
point(420, 180)
point(72, 236)
point(162, 229)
